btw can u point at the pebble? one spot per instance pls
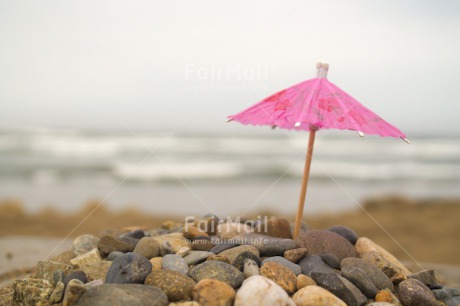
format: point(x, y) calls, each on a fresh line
point(121, 295)
point(183, 252)
point(218, 270)
point(316, 296)
point(219, 258)
point(275, 227)
point(268, 246)
point(380, 304)
point(176, 285)
point(304, 281)
point(58, 276)
point(222, 247)
point(208, 224)
point(281, 275)
point(147, 247)
point(136, 234)
point(250, 268)
point(202, 244)
point(57, 294)
point(192, 232)
point(374, 254)
point(166, 248)
point(92, 257)
point(130, 268)
point(237, 255)
point(295, 255)
point(427, 277)
point(91, 263)
point(345, 232)
point(331, 260)
point(258, 290)
point(286, 263)
point(113, 255)
point(84, 243)
point(387, 296)
point(232, 229)
point(359, 278)
point(340, 287)
point(108, 244)
point(176, 240)
point(196, 257)
point(378, 278)
point(157, 263)
point(77, 274)
point(314, 263)
point(186, 303)
point(319, 242)
point(174, 262)
point(73, 292)
point(412, 292)
point(46, 268)
point(32, 291)
point(211, 292)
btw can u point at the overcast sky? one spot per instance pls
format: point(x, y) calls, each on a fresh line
point(189, 64)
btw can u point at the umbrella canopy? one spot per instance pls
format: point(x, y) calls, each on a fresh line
point(312, 105)
point(318, 104)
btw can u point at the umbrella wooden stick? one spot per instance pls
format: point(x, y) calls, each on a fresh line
point(306, 175)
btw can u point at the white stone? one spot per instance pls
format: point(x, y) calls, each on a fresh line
point(258, 290)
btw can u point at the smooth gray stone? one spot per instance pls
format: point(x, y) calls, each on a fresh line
point(360, 279)
point(130, 268)
point(78, 274)
point(331, 260)
point(122, 295)
point(378, 277)
point(267, 245)
point(174, 262)
point(196, 257)
point(296, 269)
point(218, 270)
point(222, 247)
point(427, 277)
point(340, 287)
point(345, 232)
point(314, 263)
point(113, 255)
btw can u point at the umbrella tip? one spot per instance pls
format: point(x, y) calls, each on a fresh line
point(361, 134)
point(406, 140)
point(322, 69)
point(297, 124)
point(229, 119)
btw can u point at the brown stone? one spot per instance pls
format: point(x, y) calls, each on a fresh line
point(208, 225)
point(219, 258)
point(318, 242)
point(175, 285)
point(108, 244)
point(304, 281)
point(280, 275)
point(295, 255)
point(192, 232)
point(147, 247)
point(157, 263)
point(275, 227)
point(211, 292)
point(387, 296)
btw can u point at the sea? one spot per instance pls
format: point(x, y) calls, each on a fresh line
point(190, 173)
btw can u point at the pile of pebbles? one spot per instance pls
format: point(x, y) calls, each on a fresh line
point(210, 262)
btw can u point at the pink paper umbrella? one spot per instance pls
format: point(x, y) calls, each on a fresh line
point(312, 105)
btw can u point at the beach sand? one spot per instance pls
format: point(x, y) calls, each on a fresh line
point(423, 233)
